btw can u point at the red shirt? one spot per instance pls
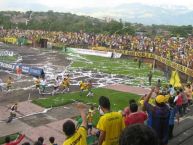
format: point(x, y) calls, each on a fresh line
point(136, 117)
point(16, 142)
point(179, 101)
point(126, 111)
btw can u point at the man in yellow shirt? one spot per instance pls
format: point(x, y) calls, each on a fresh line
point(110, 124)
point(76, 137)
point(64, 85)
point(9, 83)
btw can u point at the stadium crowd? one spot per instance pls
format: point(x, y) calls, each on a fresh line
point(147, 121)
point(179, 50)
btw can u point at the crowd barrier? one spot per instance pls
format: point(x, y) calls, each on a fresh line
point(14, 40)
point(165, 61)
point(11, 40)
point(34, 71)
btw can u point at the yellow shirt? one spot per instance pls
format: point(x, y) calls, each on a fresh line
point(79, 138)
point(64, 83)
point(83, 86)
point(37, 82)
point(112, 124)
point(68, 81)
point(9, 82)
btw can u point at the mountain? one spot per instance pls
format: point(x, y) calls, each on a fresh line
point(68, 22)
point(145, 14)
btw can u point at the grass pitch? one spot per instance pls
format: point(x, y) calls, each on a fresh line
point(124, 67)
point(119, 100)
point(8, 59)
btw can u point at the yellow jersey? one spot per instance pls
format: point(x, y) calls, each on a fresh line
point(83, 86)
point(68, 81)
point(37, 82)
point(9, 82)
point(112, 124)
point(64, 83)
point(79, 138)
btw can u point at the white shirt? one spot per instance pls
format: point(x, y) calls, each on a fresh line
point(43, 82)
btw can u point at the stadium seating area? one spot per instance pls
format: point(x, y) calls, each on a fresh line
point(176, 49)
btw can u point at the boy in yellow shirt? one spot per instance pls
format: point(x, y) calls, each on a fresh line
point(90, 122)
point(76, 137)
point(111, 124)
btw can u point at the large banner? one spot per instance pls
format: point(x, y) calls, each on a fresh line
point(94, 52)
point(7, 53)
point(11, 40)
point(34, 71)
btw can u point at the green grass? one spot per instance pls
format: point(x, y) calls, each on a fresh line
point(8, 59)
point(119, 100)
point(12, 136)
point(124, 67)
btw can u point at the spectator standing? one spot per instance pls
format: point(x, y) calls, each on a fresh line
point(188, 91)
point(158, 116)
point(184, 101)
point(173, 111)
point(90, 122)
point(135, 117)
point(171, 90)
point(126, 110)
point(110, 123)
point(178, 100)
point(76, 137)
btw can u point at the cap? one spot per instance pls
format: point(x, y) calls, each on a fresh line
point(161, 99)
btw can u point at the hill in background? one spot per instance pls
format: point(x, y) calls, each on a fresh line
point(56, 21)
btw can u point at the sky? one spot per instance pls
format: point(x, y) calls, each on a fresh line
point(64, 5)
point(116, 9)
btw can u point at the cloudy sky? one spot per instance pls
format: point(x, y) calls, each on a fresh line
point(143, 11)
point(66, 5)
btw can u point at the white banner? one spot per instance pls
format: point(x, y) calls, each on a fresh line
point(7, 53)
point(95, 52)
